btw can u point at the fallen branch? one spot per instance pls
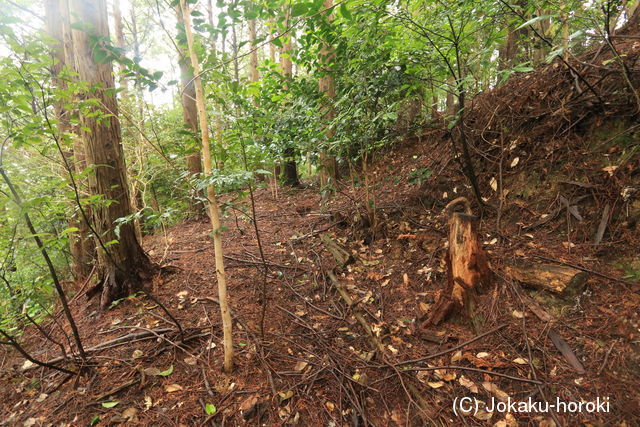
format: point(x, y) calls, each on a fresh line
point(482, 371)
point(116, 342)
point(588, 270)
point(12, 341)
point(248, 261)
point(452, 349)
point(313, 233)
point(356, 312)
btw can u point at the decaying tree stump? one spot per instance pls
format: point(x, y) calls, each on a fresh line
point(467, 266)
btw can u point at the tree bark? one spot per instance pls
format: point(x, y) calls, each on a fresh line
point(507, 51)
point(80, 243)
point(253, 55)
point(326, 83)
point(123, 266)
point(290, 168)
point(467, 266)
point(214, 212)
point(117, 18)
point(190, 116)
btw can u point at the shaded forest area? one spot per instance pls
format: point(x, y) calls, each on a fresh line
point(319, 213)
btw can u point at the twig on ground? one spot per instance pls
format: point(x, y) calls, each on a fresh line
point(452, 349)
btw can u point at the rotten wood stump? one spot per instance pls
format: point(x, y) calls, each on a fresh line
point(467, 266)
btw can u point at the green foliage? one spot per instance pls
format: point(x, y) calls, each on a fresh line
point(419, 176)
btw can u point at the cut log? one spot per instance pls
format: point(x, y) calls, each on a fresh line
point(467, 266)
point(559, 279)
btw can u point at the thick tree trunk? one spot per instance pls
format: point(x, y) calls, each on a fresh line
point(214, 212)
point(290, 170)
point(117, 18)
point(507, 51)
point(190, 117)
point(326, 83)
point(122, 266)
point(80, 243)
point(467, 266)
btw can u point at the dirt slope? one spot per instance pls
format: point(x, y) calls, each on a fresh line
point(316, 364)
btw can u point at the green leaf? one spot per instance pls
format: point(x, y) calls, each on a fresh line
point(299, 9)
point(210, 408)
point(534, 20)
point(345, 12)
point(69, 230)
point(166, 373)
point(110, 404)
point(94, 420)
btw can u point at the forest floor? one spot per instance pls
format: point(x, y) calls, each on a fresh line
point(316, 364)
point(565, 170)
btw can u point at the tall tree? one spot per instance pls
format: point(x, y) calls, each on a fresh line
point(189, 109)
point(253, 55)
point(119, 33)
point(327, 86)
point(123, 265)
point(290, 169)
point(214, 211)
point(80, 243)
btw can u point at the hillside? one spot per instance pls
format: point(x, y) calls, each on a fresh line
point(316, 364)
point(337, 307)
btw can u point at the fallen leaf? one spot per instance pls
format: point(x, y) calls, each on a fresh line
point(482, 355)
point(110, 404)
point(483, 415)
point(457, 356)
point(300, 365)
point(148, 402)
point(468, 384)
point(509, 421)
point(131, 414)
point(136, 354)
point(172, 388)
point(27, 364)
point(166, 372)
point(445, 375)
point(435, 384)
point(190, 360)
point(493, 389)
point(517, 314)
point(399, 417)
point(285, 395)
point(248, 403)
point(520, 361)
point(42, 397)
point(152, 372)
point(424, 308)
point(493, 183)
point(515, 162)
